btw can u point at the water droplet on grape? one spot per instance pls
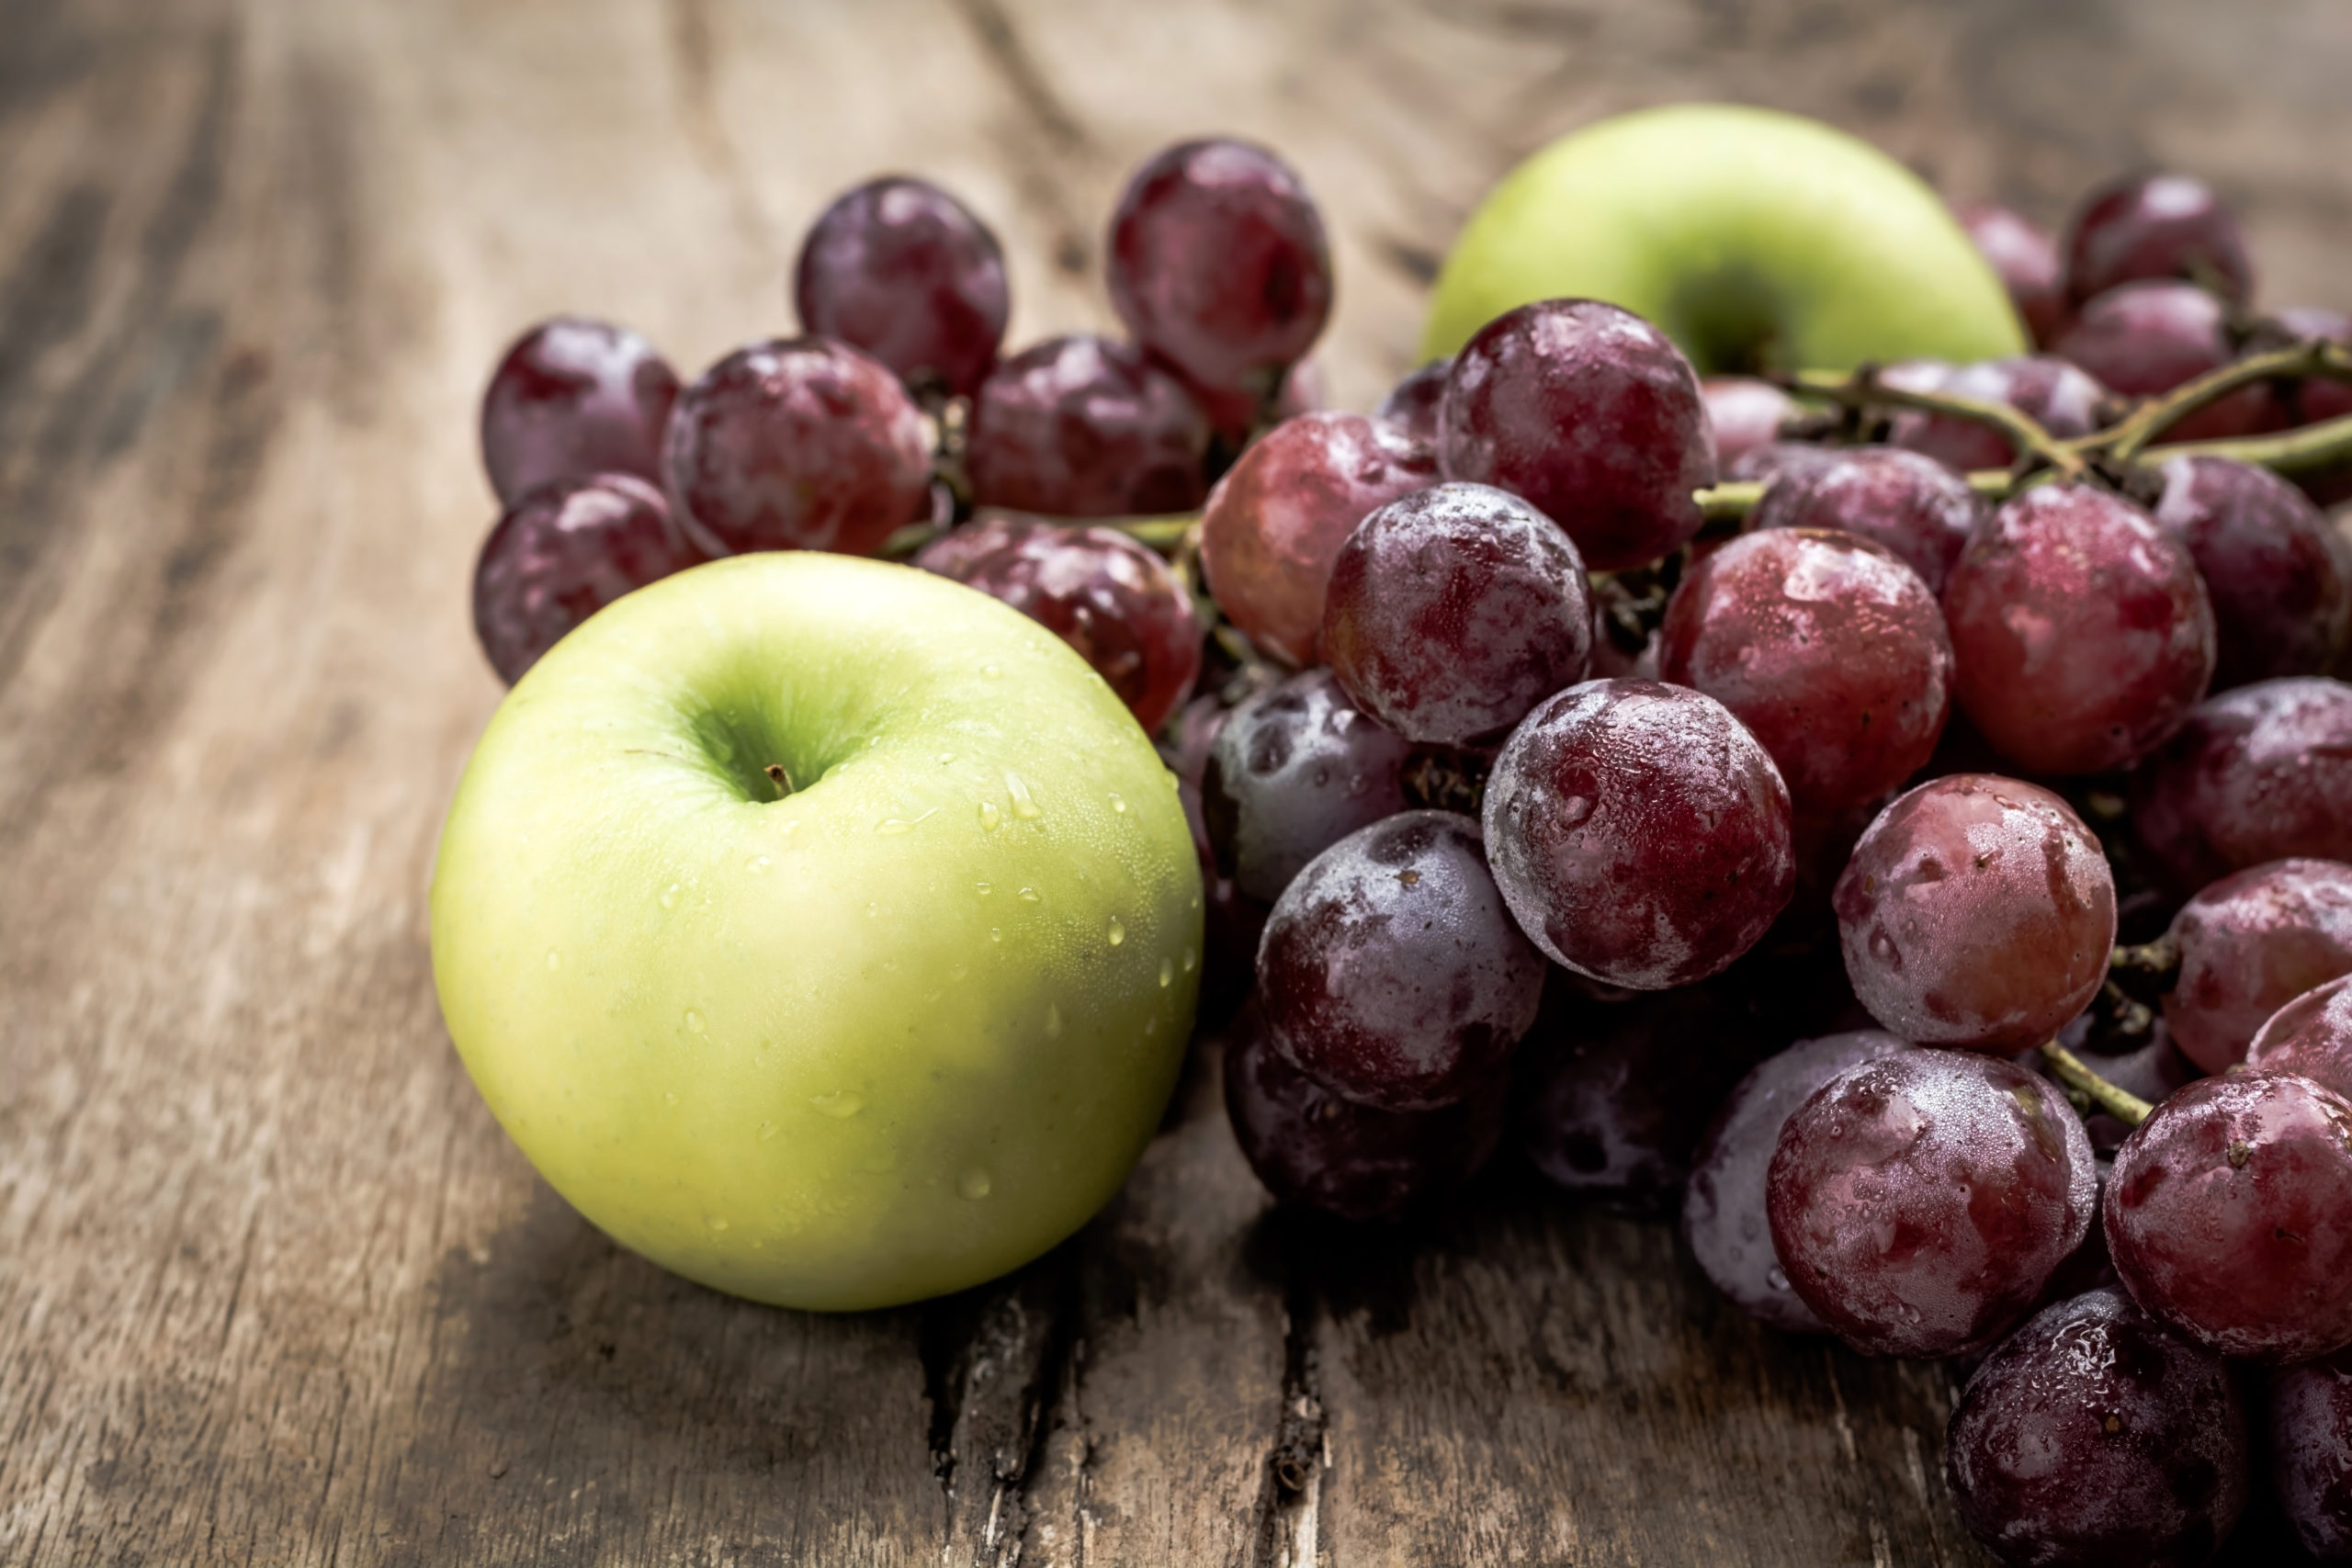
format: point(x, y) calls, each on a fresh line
point(841, 1105)
point(1573, 810)
point(1883, 948)
point(1167, 974)
point(1023, 806)
point(1774, 1278)
point(695, 1021)
point(974, 1184)
point(1118, 931)
point(989, 817)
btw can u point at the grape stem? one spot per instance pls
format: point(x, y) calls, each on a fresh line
point(1865, 389)
point(2124, 442)
point(2122, 1104)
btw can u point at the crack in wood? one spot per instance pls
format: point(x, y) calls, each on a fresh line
point(996, 1361)
point(1289, 1520)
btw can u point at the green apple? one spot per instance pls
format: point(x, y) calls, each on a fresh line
point(1755, 240)
point(886, 1035)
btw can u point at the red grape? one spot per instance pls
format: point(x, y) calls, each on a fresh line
point(1593, 415)
point(804, 444)
point(2158, 225)
point(1277, 519)
point(572, 398)
point(1296, 769)
point(2026, 259)
point(2230, 1215)
point(2144, 338)
point(2310, 1452)
point(1977, 911)
point(2096, 1437)
point(1412, 404)
point(564, 552)
point(1827, 647)
point(1744, 413)
point(1391, 973)
point(1724, 1212)
point(1776, 459)
point(1311, 1147)
point(2259, 774)
point(2061, 398)
point(2311, 1035)
point(904, 271)
point(2083, 630)
point(1612, 1096)
point(1905, 500)
point(1113, 601)
point(1639, 833)
point(1081, 426)
point(1455, 610)
point(1231, 923)
point(1218, 264)
point(2319, 398)
point(2251, 943)
point(2281, 603)
point(1920, 1201)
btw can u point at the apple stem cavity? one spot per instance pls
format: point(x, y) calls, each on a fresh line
point(781, 779)
point(2122, 1104)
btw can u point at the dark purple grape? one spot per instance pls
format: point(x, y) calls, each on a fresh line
point(1828, 648)
point(1313, 1148)
point(1639, 832)
point(1296, 769)
point(2096, 1437)
point(2260, 773)
point(1452, 610)
point(564, 552)
point(2025, 260)
point(2157, 225)
point(1412, 404)
point(1081, 426)
point(2062, 398)
point(1276, 521)
point(904, 271)
point(1745, 413)
point(2311, 1035)
point(1391, 973)
point(1096, 589)
point(804, 444)
point(1185, 746)
point(2144, 338)
point(2251, 943)
point(1921, 1202)
point(1724, 1214)
point(1231, 923)
point(2281, 602)
point(2230, 1215)
point(2310, 1452)
point(1592, 414)
point(1218, 264)
point(2084, 633)
point(1613, 1095)
point(1902, 501)
point(2318, 397)
point(572, 398)
point(1978, 912)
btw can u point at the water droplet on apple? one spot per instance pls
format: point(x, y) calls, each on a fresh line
point(986, 888)
point(758, 864)
point(989, 817)
point(1191, 958)
point(974, 1184)
point(995, 934)
point(1196, 900)
point(1118, 802)
point(767, 1131)
point(946, 758)
point(669, 896)
point(990, 671)
point(555, 959)
point(1151, 1026)
point(891, 826)
point(1028, 895)
point(959, 971)
point(1053, 1021)
point(1118, 931)
point(1167, 974)
point(1023, 806)
point(695, 1021)
point(841, 1105)
point(672, 1099)
point(714, 1222)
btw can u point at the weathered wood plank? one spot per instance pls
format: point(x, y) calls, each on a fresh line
point(272, 1286)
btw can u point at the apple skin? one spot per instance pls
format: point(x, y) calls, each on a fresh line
point(1755, 239)
point(875, 1042)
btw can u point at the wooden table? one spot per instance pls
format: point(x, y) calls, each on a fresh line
point(273, 1287)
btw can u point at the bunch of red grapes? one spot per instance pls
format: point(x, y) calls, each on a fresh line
point(1537, 811)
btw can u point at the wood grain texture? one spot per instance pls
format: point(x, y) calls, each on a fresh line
point(274, 1288)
